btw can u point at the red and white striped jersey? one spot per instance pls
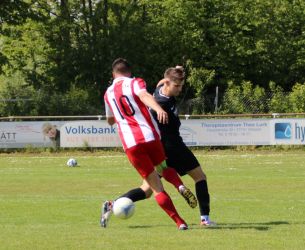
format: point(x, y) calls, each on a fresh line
point(135, 123)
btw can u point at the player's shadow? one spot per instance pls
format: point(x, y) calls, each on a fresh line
point(141, 226)
point(261, 226)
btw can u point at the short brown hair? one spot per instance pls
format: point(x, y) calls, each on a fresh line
point(176, 74)
point(121, 65)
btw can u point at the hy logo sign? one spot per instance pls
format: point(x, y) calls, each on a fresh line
point(282, 131)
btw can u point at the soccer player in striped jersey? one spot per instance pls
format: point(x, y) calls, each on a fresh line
point(126, 102)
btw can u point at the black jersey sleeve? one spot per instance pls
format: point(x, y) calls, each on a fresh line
point(171, 129)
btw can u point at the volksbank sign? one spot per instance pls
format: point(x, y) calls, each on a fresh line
point(89, 133)
point(85, 130)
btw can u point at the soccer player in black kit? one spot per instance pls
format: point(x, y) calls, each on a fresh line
point(178, 154)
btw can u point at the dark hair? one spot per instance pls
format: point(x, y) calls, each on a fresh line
point(176, 74)
point(121, 65)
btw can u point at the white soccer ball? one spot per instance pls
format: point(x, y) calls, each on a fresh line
point(123, 208)
point(71, 162)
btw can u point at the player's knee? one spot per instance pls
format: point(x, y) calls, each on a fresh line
point(197, 174)
point(161, 167)
point(147, 190)
point(148, 193)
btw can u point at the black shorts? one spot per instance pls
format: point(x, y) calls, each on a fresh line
point(180, 158)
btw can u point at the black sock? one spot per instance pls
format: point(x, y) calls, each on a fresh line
point(203, 197)
point(136, 194)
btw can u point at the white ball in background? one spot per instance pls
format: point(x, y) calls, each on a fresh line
point(71, 162)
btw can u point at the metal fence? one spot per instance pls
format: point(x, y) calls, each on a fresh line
point(213, 104)
point(182, 116)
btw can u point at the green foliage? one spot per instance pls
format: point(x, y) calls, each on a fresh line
point(199, 78)
point(16, 96)
point(19, 98)
point(59, 45)
point(297, 98)
point(279, 103)
point(75, 101)
point(288, 102)
point(244, 99)
point(28, 52)
point(249, 99)
point(232, 101)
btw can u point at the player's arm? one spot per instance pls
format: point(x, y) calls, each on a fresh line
point(149, 101)
point(109, 114)
point(162, 82)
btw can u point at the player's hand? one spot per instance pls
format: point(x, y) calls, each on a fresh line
point(162, 117)
point(163, 81)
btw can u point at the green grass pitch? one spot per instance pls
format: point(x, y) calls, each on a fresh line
point(257, 200)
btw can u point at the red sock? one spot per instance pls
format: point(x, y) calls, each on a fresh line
point(172, 177)
point(167, 205)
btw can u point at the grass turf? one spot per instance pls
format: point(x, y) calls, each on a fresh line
point(257, 200)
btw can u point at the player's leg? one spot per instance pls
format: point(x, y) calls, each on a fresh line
point(185, 162)
point(137, 194)
point(134, 194)
point(163, 199)
point(141, 193)
point(156, 154)
point(144, 157)
point(171, 175)
point(202, 194)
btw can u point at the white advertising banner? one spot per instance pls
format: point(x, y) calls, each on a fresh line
point(201, 132)
point(23, 134)
point(219, 132)
point(89, 133)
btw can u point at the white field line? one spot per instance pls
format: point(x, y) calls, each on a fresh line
point(67, 156)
